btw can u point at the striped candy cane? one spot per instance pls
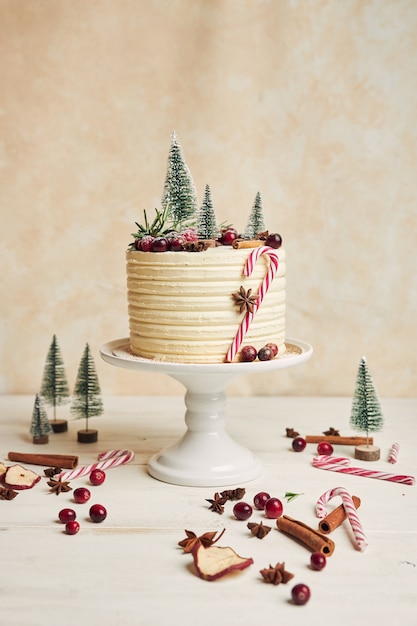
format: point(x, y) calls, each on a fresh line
point(393, 453)
point(342, 465)
point(269, 277)
point(351, 513)
point(112, 458)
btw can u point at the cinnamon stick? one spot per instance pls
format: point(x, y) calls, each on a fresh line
point(336, 517)
point(65, 461)
point(337, 439)
point(309, 537)
point(247, 243)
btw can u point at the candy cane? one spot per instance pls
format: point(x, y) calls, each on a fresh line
point(269, 277)
point(340, 464)
point(393, 454)
point(350, 509)
point(112, 458)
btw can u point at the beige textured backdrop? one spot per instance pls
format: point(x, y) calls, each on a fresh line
point(311, 102)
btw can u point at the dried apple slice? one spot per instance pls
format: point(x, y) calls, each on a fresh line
point(18, 477)
point(214, 562)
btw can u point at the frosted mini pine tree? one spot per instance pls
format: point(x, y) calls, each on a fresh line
point(54, 388)
point(256, 222)
point(40, 426)
point(86, 400)
point(366, 414)
point(207, 226)
point(179, 190)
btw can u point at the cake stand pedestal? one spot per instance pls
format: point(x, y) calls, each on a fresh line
point(205, 456)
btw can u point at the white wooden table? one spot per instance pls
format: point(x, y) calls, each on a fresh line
point(129, 569)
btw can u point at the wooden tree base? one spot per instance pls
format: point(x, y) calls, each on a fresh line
point(367, 453)
point(87, 436)
point(59, 426)
point(43, 439)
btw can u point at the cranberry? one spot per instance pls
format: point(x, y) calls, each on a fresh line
point(273, 347)
point(265, 354)
point(97, 513)
point(242, 510)
point(145, 244)
point(273, 508)
point(97, 477)
point(300, 594)
point(72, 528)
point(137, 244)
point(67, 515)
point(274, 240)
point(228, 236)
point(81, 495)
point(160, 244)
point(260, 500)
point(298, 444)
point(248, 353)
point(318, 561)
point(325, 447)
point(189, 235)
point(177, 243)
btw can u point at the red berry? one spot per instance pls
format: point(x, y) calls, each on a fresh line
point(248, 353)
point(81, 495)
point(273, 508)
point(260, 500)
point(72, 528)
point(145, 244)
point(325, 447)
point(265, 354)
point(67, 515)
point(160, 244)
point(97, 477)
point(300, 594)
point(178, 243)
point(242, 510)
point(318, 561)
point(298, 444)
point(273, 347)
point(274, 240)
point(98, 513)
point(228, 236)
point(189, 235)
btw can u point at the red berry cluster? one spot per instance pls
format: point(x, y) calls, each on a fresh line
point(268, 352)
point(324, 447)
point(172, 241)
point(82, 495)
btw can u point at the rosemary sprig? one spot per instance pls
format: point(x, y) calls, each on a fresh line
point(291, 496)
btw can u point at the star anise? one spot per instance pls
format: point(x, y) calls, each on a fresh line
point(263, 236)
point(276, 575)
point(245, 300)
point(51, 471)
point(233, 494)
point(59, 486)
point(259, 530)
point(217, 503)
point(332, 432)
point(7, 494)
point(191, 540)
point(291, 433)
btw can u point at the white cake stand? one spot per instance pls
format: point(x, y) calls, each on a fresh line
point(205, 456)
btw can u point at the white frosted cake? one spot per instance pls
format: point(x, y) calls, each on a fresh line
point(199, 293)
point(181, 304)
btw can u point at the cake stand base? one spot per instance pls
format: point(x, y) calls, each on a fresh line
point(205, 456)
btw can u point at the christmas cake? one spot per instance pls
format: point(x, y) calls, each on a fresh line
point(200, 293)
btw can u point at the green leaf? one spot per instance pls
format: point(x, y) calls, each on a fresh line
point(291, 496)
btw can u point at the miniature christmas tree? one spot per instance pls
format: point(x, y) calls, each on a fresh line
point(207, 226)
point(40, 427)
point(86, 400)
point(54, 389)
point(179, 190)
point(256, 222)
point(366, 414)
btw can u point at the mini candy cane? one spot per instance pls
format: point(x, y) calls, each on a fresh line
point(269, 277)
point(350, 509)
point(393, 454)
point(112, 458)
point(340, 464)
